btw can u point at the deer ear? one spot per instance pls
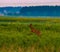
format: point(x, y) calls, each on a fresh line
point(30, 24)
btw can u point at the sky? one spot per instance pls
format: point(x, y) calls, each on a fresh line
point(28, 2)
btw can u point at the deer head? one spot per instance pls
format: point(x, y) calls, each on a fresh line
point(30, 25)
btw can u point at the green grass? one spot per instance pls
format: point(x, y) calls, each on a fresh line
point(15, 36)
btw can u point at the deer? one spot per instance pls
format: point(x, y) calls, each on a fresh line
point(37, 32)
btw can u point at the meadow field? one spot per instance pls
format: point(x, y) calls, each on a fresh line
point(16, 36)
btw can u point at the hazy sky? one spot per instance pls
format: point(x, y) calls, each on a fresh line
point(28, 2)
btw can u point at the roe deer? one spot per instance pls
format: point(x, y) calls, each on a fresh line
point(34, 30)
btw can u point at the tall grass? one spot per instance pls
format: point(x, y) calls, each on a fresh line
point(17, 37)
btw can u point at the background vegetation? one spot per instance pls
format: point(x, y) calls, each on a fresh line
point(15, 35)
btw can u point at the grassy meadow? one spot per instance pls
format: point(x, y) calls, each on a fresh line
point(16, 36)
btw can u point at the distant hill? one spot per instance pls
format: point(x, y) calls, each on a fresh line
point(31, 11)
point(10, 11)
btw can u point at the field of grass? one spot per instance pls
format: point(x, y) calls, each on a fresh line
point(16, 36)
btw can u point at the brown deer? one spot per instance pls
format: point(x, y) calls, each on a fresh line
point(34, 30)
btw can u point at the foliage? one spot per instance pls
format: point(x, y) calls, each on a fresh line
point(18, 34)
